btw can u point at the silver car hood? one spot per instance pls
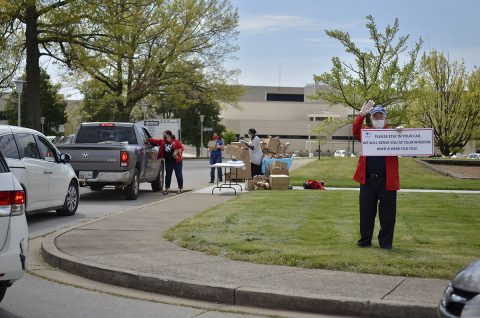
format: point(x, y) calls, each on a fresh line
point(468, 279)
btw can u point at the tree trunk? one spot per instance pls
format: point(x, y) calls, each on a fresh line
point(444, 148)
point(32, 88)
point(123, 114)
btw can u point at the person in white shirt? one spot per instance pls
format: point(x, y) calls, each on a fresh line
point(256, 153)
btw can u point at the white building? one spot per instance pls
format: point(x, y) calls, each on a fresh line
point(290, 113)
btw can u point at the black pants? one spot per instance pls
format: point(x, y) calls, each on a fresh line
point(169, 168)
point(373, 193)
point(256, 169)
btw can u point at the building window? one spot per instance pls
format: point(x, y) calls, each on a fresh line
point(318, 118)
point(288, 136)
point(274, 97)
point(342, 137)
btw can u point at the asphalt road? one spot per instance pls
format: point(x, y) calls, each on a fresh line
point(34, 297)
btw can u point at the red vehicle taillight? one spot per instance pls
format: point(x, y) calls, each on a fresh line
point(123, 159)
point(12, 203)
point(19, 197)
point(5, 198)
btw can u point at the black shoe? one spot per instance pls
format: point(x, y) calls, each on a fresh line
point(211, 181)
point(363, 244)
point(387, 247)
point(220, 180)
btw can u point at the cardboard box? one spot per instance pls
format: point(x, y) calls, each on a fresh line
point(263, 144)
point(227, 176)
point(242, 174)
point(234, 151)
point(212, 145)
point(279, 164)
point(229, 150)
point(276, 170)
point(250, 184)
point(244, 155)
point(272, 145)
point(283, 148)
point(237, 144)
point(279, 182)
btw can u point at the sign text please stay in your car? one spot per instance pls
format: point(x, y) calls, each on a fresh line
point(389, 142)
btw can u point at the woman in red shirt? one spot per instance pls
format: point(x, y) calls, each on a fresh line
point(171, 150)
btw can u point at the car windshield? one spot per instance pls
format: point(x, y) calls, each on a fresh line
point(105, 134)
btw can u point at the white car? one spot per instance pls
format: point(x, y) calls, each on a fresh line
point(339, 153)
point(44, 173)
point(13, 229)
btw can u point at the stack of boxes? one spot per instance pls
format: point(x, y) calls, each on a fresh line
point(272, 182)
point(278, 178)
point(274, 148)
point(279, 167)
point(239, 151)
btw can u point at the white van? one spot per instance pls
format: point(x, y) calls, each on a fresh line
point(45, 174)
point(13, 229)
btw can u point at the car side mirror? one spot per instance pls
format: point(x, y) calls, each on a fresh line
point(65, 157)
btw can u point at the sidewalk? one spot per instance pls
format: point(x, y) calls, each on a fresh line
point(127, 249)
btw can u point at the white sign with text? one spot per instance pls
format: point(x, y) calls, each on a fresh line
point(388, 142)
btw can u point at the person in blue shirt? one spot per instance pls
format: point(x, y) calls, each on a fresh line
point(216, 157)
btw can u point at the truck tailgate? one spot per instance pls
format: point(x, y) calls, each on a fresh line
point(94, 157)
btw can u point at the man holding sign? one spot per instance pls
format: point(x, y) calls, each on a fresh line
point(379, 182)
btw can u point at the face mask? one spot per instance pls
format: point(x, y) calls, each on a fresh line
point(378, 124)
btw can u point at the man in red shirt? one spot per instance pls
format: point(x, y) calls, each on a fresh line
point(379, 182)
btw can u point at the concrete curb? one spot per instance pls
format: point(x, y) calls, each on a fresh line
point(447, 173)
point(133, 279)
point(227, 293)
point(324, 304)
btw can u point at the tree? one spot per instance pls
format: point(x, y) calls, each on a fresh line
point(229, 136)
point(376, 74)
point(10, 50)
point(191, 129)
point(447, 99)
point(140, 48)
point(52, 105)
point(42, 26)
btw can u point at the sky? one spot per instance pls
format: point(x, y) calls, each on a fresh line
point(283, 42)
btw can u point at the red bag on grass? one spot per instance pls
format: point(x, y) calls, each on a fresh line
point(314, 184)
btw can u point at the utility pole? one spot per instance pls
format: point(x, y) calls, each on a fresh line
point(202, 117)
point(19, 89)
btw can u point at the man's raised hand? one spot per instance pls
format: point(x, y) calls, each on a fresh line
point(367, 107)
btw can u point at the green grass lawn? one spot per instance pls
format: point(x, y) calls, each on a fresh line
point(338, 172)
point(436, 233)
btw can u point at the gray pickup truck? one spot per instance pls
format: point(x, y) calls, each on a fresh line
point(115, 154)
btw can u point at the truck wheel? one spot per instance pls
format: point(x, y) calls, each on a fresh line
point(3, 290)
point(131, 191)
point(71, 201)
point(157, 185)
